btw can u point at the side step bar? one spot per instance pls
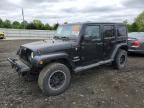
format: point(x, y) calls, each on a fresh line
point(82, 68)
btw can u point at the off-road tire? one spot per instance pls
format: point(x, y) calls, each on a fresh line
point(45, 76)
point(117, 62)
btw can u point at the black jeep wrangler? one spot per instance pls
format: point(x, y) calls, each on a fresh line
point(74, 48)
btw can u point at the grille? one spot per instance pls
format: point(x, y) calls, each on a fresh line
point(24, 54)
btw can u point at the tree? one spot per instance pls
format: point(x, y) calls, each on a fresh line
point(140, 21)
point(16, 25)
point(129, 27)
point(55, 26)
point(35, 24)
point(134, 27)
point(31, 26)
point(1, 23)
point(47, 27)
point(24, 25)
point(38, 24)
point(7, 24)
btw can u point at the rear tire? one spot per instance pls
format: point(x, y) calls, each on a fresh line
point(120, 61)
point(54, 79)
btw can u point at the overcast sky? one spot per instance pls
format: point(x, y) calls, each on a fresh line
point(52, 11)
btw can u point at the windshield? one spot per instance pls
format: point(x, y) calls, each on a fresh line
point(68, 31)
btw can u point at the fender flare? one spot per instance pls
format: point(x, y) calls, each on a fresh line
point(53, 56)
point(117, 47)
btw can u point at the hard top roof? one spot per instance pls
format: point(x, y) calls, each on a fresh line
point(96, 23)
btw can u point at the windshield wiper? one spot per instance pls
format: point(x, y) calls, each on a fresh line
point(56, 37)
point(62, 37)
point(65, 38)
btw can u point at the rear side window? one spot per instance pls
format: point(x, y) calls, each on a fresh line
point(121, 31)
point(108, 31)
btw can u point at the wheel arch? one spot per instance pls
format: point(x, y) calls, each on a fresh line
point(64, 61)
point(122, 46)
point(61, 57)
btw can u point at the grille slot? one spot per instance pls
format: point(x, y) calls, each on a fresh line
point(24, 54)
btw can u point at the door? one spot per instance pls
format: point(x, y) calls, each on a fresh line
point(91, 45)
point(109, 40)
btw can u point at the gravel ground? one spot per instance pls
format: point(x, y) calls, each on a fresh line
point(102, 87)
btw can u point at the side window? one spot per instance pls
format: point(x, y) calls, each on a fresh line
point(121, 31)
point(108, 31)
point(92, 32)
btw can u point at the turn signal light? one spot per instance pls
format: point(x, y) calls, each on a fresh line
point(41, 62)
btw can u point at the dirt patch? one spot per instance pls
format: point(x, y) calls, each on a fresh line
point(102, 87)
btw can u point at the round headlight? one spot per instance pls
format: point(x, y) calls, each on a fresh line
point(32, 55)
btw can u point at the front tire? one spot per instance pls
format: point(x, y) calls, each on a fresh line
point(120, 61)
point(54, 79)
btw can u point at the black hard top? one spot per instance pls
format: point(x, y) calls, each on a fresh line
point(81, 23)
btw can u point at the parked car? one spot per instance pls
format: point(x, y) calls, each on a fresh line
point(75, 48)
point(2, 35)
point(136, 42)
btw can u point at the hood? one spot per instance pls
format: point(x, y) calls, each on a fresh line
point(47, 46)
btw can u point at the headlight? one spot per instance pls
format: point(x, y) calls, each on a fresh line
point(32, 55)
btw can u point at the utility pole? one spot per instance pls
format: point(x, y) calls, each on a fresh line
point(23, 18)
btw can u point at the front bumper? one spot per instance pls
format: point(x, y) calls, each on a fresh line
point(19, 66)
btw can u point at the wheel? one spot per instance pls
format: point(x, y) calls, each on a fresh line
point(120, 59)
point(54, 79)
